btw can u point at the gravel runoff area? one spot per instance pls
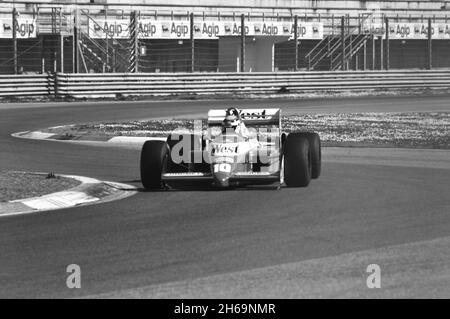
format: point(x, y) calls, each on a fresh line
point(21, 185)
point(408, 130)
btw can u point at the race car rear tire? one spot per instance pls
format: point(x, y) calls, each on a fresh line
point(154, 157)
point(297, 161)
point(316, 153)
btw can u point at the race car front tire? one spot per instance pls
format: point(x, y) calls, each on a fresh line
point(154, 157)
point(297, 161)
point(316, 153)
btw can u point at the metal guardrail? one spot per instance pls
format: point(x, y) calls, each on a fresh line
point(27, 85)
point(110, 85)
point(162, 84)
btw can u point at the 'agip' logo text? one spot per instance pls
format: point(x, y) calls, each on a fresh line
point(25, 29)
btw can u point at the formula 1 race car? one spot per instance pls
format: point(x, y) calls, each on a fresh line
point(223, 158)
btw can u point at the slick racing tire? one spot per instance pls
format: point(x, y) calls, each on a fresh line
point(316, 153)
point(297, 161)
point(154, 157)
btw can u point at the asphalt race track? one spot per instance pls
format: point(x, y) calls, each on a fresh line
point(363, 209)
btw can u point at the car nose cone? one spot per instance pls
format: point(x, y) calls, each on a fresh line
point(222, 179)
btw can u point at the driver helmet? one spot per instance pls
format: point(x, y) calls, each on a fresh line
point(232, 118)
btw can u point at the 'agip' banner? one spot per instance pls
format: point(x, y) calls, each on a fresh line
point(164, 29)
point(405, 31)
point(172, 29)
point(25, 28)
point(440, 31)
point(215, 29)
point(115, 28)
point(408, 30)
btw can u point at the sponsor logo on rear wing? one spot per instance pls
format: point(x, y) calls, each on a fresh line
point(249, 116)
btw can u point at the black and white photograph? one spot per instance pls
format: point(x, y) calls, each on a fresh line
point(224, 156)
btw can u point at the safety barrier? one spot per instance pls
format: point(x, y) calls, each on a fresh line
point(162, 84)
point(110, 85)
point(27, 85)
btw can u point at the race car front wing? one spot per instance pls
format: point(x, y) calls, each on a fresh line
point(247, 177)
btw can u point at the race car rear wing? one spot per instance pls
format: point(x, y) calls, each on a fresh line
point(249, 116)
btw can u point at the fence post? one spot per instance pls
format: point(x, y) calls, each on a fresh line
point(191, 18)
point(330, 55)
point(14, 35)
point(41, 44)
point(242, 62)
point(296, 41)
point(61, 43)
point(134, 34)
point(53, 78)
point(381, 53)
point(430, 52)
point(76, 56)
point(350, 32)
point(343, 42)
point(387, 44)
point(55, 62)
point(373, 52)
point(107, 41)
point(365, 56)
point(114, 59)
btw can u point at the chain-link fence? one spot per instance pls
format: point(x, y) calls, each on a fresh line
point(78, 40)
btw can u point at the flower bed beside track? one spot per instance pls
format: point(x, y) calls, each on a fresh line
point(407, 130)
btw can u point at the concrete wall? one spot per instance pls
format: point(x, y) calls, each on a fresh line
point(33, 52)
point(314, 4)
point(229, 54)
point(263, 6)
point(406, 54)
point(259, 54)
point(413, 54)
point(224, 55)
point(175, 56)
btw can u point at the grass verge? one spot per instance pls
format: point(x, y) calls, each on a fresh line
point(18, 185)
